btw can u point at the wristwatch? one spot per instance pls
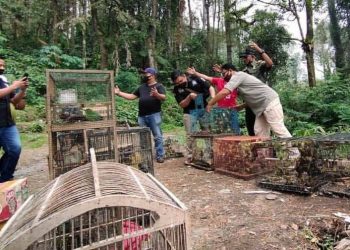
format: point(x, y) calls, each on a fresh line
point(262, 52)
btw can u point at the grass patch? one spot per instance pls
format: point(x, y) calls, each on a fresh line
point(33, 140)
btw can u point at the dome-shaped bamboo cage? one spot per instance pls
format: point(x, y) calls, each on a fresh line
point(103, 205)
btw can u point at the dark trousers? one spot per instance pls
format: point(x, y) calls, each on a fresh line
point(249, 121)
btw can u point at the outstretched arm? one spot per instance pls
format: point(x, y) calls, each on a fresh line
point(263, 54)
point(127, 96)
point(192, 71)
point(224, 92)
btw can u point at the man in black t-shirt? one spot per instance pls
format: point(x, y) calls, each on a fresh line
point(191, 93)
point(150, 94)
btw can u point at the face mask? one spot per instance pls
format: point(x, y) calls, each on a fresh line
point(227, 77)
point(2, 71)
point(146, 78)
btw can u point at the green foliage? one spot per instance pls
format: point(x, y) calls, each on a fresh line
point(30, 114)
point(126, 111)
point(53, 57)
point(128, 79)
point(322, 109)
point(33, 140)
point(37, 127)
point(172, 112)
point(3, 39)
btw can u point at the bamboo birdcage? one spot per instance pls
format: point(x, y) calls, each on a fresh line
point(80, 114)
point(103, 205)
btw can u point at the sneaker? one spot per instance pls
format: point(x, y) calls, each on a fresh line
point(160, 160)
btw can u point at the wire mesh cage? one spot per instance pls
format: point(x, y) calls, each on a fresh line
point(202, 150)
point(333, 153)
point(79, 96)
point(135, 148)
point(218, 121)
point(295, 168)
point(173, 147)
point(80, 114)
point(69, 149)
point(101, 205)
point(234, 156)
point(321, 159)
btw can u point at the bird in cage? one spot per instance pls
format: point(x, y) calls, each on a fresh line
point(71, 113)
point(143, 166)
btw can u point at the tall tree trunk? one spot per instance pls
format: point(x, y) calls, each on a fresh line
point(72, 26)
point(116, 59)
point(228, 30)
point(207, 6)
point(334, 30)
point(1, 20)
point(218, 28)
point(190, 16)
point(128, 58)
point(100, 35)
point(84, 54)
point(180, 28)
point(151, 41)
point(213, 41)
point(308, 45)
point(169, 30)
point(55, 9)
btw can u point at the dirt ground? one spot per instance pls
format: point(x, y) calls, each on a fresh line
point(223, 216)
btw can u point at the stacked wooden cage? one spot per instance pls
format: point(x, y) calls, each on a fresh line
point(80, 115)
point(103, 205)
point(135, 148)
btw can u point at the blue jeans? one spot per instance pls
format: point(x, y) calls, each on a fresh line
point(153, 122)
point(11, 144)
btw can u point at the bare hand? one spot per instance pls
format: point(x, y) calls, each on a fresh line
point(20, 84)
point(239, 107)
point(217, 68)
point(116, 90)
point(208, 108)
point(253, 45)
point(193, 96)
point(191, 70)
point(154, 92)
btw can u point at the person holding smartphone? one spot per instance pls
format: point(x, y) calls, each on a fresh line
point(9, 136)
point(151, 94)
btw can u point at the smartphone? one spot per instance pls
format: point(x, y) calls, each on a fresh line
point(25, 76)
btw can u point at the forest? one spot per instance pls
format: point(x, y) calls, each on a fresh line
point(311, 69)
